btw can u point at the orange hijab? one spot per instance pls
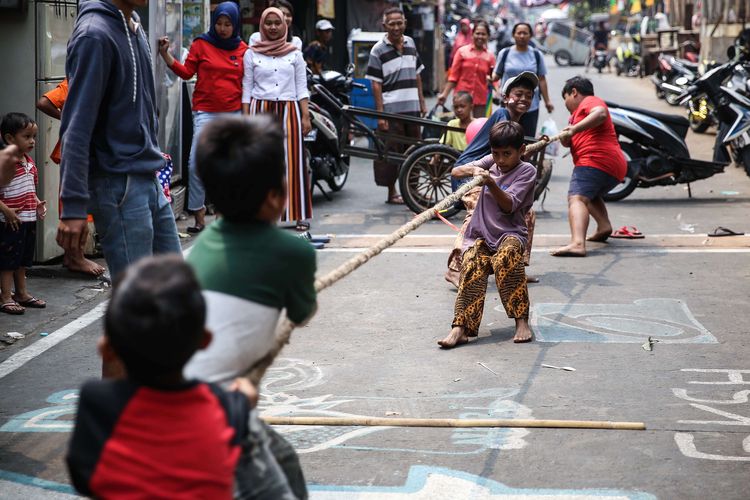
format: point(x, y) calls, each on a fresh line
point(273, 48)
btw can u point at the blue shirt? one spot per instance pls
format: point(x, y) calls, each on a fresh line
point(480, 145)
point(518, 62)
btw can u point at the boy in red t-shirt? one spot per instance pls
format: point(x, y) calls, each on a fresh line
point(599, 164)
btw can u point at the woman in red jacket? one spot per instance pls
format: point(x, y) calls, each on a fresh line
point(216, 57)
point(470, 69)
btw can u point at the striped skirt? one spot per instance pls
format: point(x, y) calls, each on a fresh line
point(287, 113)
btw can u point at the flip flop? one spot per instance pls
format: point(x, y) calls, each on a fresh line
point(723, 231)
point(6, 308)
point(32, 303)
point(628, 233)
point(395, 200)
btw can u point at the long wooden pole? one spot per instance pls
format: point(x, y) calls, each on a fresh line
point(454, 422)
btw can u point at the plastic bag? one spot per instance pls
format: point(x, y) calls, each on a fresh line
point(549, 128)
point(438, 116)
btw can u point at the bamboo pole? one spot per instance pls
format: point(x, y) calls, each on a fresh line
point(454, 422)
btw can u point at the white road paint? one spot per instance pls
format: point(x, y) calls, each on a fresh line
point(22, 357)
point(686, 443)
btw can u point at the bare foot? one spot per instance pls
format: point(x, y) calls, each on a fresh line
point(523, 331)
point(600, 235)
point(452, 277)
point(454, 338)
point(83, 265)
point(571, 250)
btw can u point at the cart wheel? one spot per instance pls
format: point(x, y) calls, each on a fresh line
point(425, 177)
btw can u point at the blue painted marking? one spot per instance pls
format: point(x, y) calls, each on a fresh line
point(36, 482)
point(46, 419)
point(419, 476)
point(668, 320)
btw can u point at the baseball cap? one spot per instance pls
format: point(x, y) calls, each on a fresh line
point(526, 75)
point(323, 25)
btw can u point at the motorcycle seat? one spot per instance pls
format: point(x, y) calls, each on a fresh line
point(678, 123)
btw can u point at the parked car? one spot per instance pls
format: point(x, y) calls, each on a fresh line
point(568, 44)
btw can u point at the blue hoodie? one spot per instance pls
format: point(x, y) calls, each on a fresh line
point(109, 124)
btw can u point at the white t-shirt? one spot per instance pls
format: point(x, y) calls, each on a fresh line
point(274, 78)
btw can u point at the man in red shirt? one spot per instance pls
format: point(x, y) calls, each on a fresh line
point(599, 164)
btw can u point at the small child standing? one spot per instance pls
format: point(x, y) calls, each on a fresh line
point(19, 209)
point(462, 106)
point(155, 434)
point(496, 236)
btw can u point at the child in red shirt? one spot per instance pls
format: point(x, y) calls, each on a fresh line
point(599, 164)
point(19, 210)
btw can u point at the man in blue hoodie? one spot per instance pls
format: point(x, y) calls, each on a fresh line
point(110, 152)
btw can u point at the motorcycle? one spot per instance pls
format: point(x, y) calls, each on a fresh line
point(732, 106)
point(672, 76)
point(654, 147)
point(601, 58)
point(326, 163)
point(628, 57)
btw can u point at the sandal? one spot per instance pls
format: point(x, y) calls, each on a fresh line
point(12, 308)
point(196, 229)
point(723, 231)
point(396, 199)
point(627, 232)
point(302, 226)
point(31, 302)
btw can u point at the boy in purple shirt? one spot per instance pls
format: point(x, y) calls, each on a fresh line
point(495, 239)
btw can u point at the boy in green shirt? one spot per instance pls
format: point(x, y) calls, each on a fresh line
point(249, 269)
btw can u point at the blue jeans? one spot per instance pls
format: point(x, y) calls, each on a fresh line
point(132, 217)
point(196, 191)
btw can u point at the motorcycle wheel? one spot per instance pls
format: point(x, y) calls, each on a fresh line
point(628, 185)
point(337, 181)
point(563, 58)
point(425, 182)
point(672, 98)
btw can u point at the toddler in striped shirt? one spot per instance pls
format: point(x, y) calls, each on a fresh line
point(19, 209)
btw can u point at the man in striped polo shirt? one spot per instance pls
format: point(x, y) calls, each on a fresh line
point(394, 69)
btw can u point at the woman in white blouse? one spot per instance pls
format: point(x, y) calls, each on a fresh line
point(275, 82)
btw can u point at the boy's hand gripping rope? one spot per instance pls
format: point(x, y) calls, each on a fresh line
point(285, 327)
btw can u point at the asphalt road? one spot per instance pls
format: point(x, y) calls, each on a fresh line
point(371, 351)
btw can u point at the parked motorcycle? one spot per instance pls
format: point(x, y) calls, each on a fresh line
point(628, 57)
point(329, 92)
point(655, 149)
point(672, 76)
point(732, 107)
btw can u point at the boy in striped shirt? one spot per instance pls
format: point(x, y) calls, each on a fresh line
point(19, 209)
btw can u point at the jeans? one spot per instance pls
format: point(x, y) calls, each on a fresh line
point(196, 191)
point(132, 217)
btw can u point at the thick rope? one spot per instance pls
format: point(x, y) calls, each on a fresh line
point(285, 327)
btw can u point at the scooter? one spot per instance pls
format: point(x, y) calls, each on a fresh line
point(601, 58)
point(672, 76)
point(628, 57)
point(322, 146)
point(655, 149)
point(732, 107)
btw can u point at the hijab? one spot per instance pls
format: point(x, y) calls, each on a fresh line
point(274, 48)
point(230, 10)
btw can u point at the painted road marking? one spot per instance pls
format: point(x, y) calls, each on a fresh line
point(667, 320)
point(22, 357)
